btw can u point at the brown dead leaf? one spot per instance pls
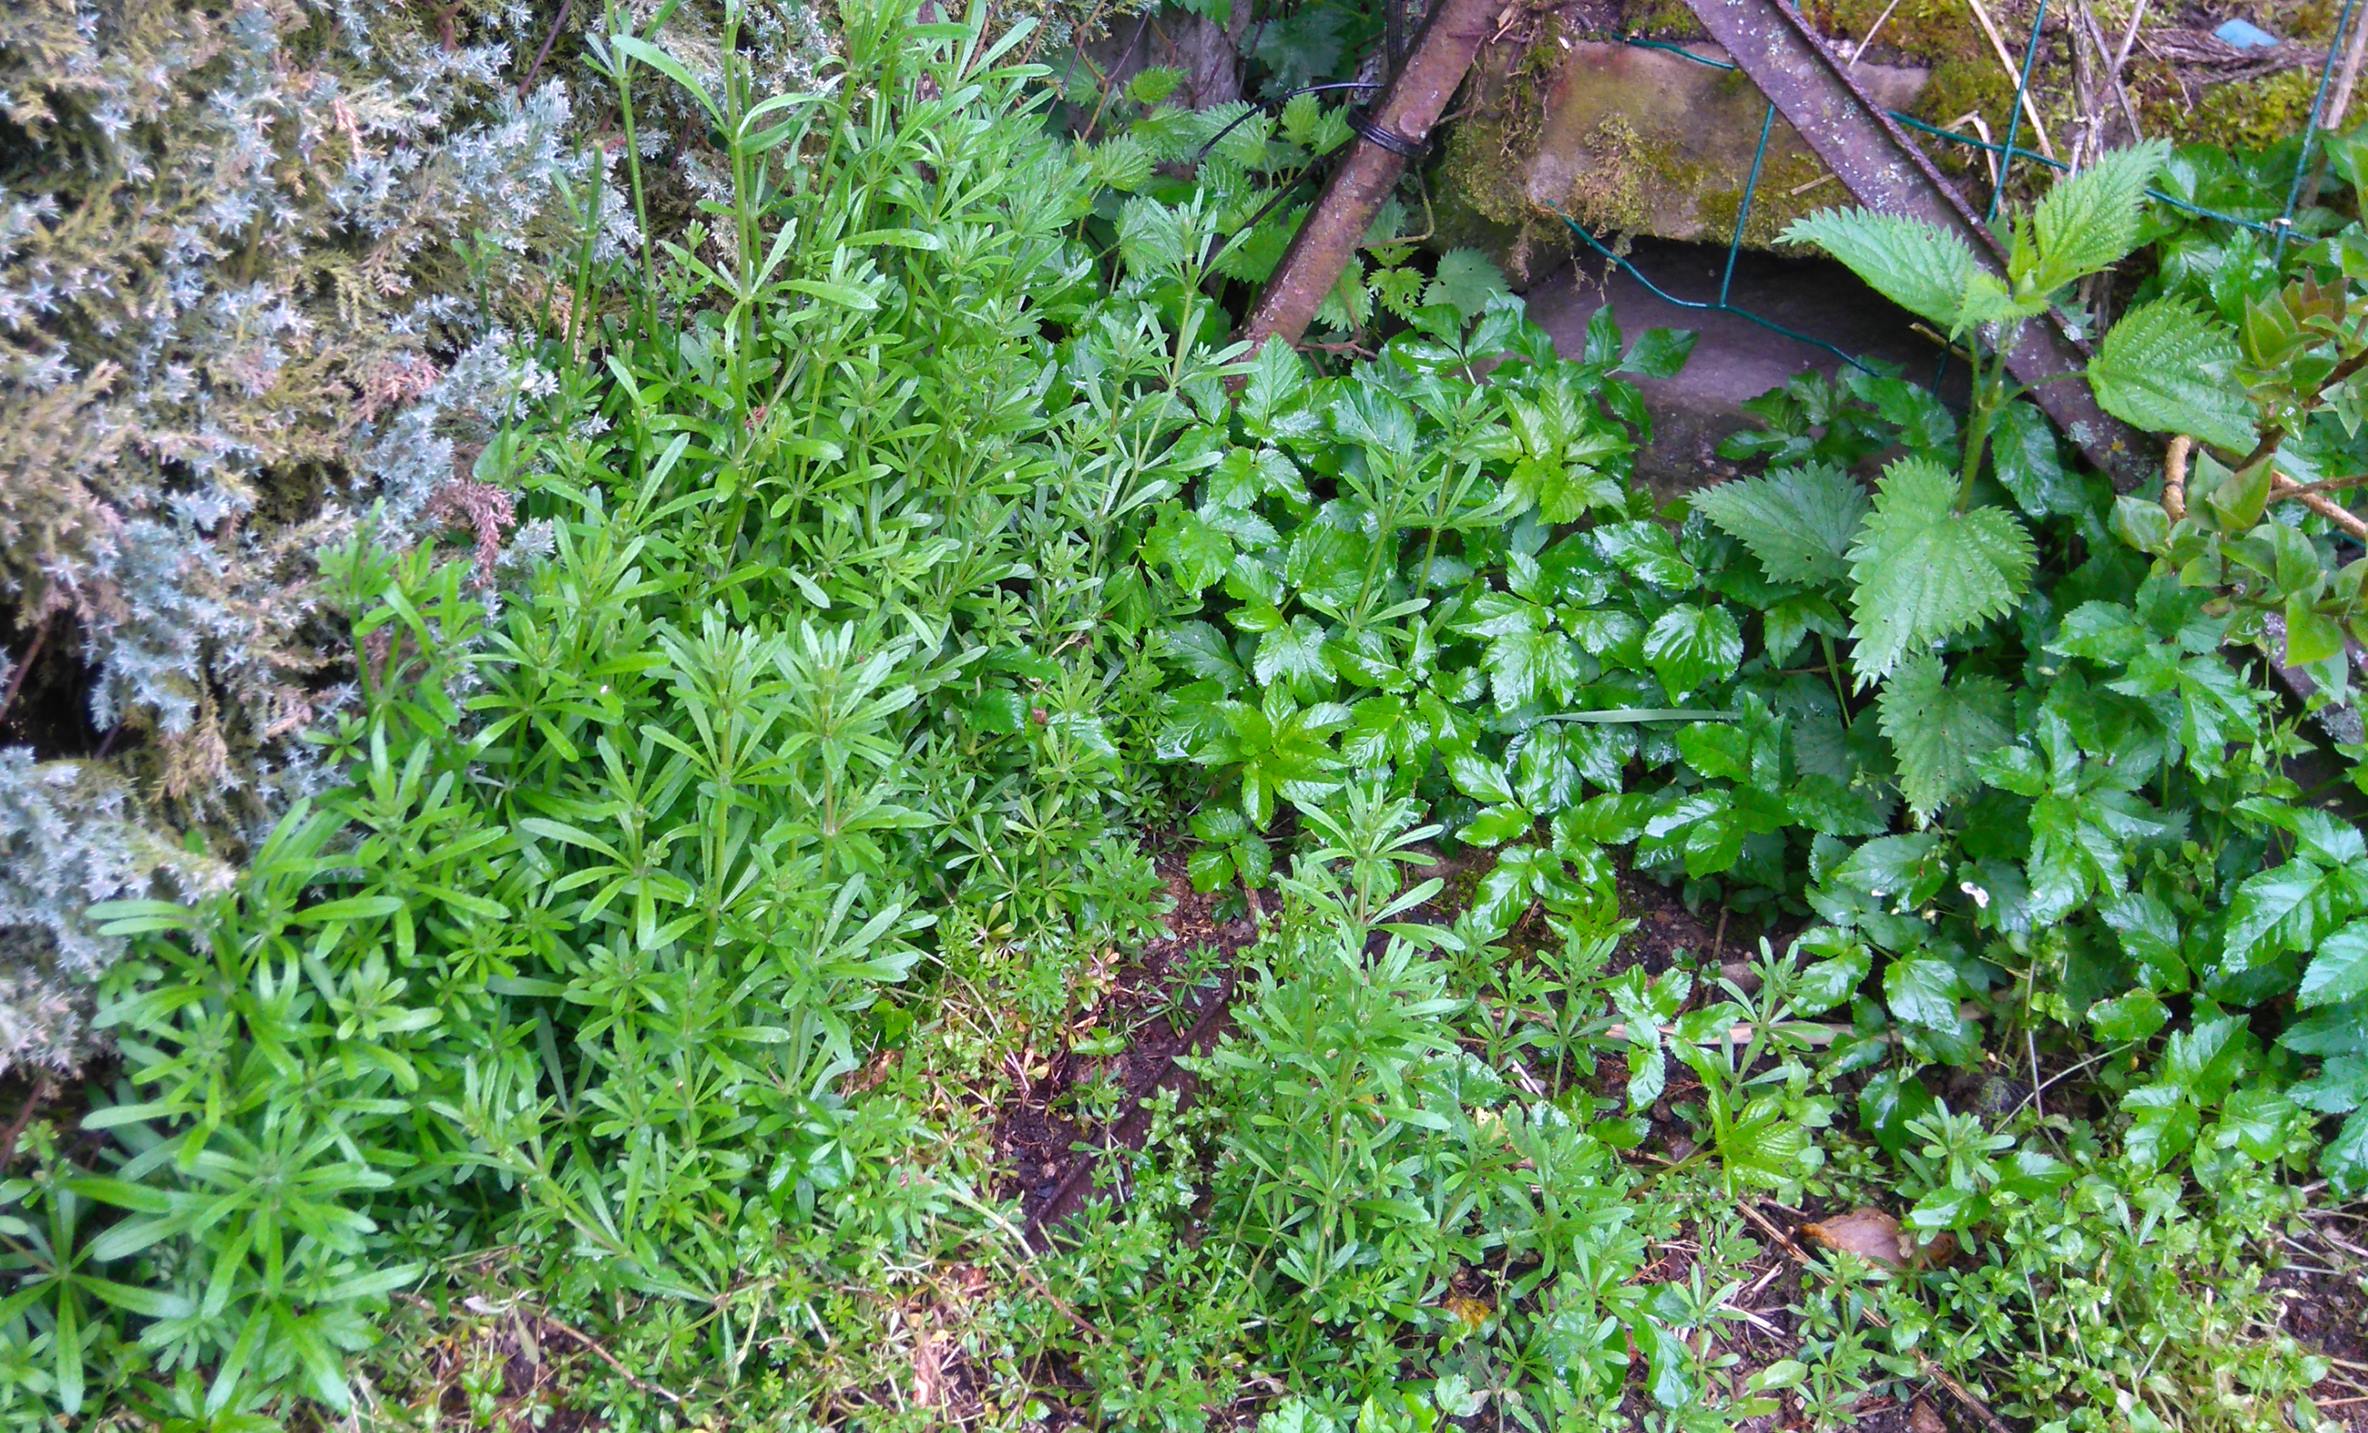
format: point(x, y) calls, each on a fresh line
point(1869, 1233)
point(1877, 1238)
point(1921, 1419)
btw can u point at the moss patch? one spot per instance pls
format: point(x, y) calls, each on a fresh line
point(2249, 114)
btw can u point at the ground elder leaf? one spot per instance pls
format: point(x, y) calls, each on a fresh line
point(1689, 646)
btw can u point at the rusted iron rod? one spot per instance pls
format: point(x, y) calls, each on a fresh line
point(1364, 177)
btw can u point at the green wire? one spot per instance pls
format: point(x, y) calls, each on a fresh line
point(2014, 111)
point(2310, 132)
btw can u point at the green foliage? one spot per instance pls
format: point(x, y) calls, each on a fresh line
point(578, 960)
point(238, 286)
point(702, 915)
point(2166, 367)
point(1914, 263)
point(1799, 522)
point(1921, 570)
point(2090, 221)
point(1938, 729)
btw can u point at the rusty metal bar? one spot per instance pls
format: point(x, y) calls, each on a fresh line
point(1366, 174)
point(1878, 163)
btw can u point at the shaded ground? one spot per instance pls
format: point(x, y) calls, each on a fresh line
point(1170, 999)
point(1734, 359)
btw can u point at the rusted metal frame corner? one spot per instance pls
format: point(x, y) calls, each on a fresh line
point(1883, 168)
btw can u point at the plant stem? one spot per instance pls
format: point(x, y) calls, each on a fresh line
point(623, 75)
point(1833, 669)
point(1987, 386)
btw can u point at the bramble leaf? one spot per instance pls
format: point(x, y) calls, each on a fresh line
point(2339, 968)
point(2289, 907)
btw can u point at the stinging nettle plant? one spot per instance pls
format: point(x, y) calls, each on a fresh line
point(1930, 559)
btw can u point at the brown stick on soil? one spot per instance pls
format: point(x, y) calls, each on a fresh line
point(1366, 175)
point(1957, 1390)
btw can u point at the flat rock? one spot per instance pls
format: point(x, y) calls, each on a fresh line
point(1626, 140)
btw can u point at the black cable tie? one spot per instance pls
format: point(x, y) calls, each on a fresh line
point(1364, 127)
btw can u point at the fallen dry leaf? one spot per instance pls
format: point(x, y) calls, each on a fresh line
point(1473, 1312)
point(1921, 1419)
point(1877, 1238)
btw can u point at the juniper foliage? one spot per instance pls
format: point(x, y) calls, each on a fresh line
point(254, 264)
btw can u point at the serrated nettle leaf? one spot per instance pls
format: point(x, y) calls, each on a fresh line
point(1799, 522)
point(2160, 1133)
point(2168, 367)
point(1918, 265)
point(2206, 1059)
point(2089, 222)
point(1938, 729)
point(1923, 571)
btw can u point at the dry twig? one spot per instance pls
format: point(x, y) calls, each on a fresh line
point(586, 1341)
